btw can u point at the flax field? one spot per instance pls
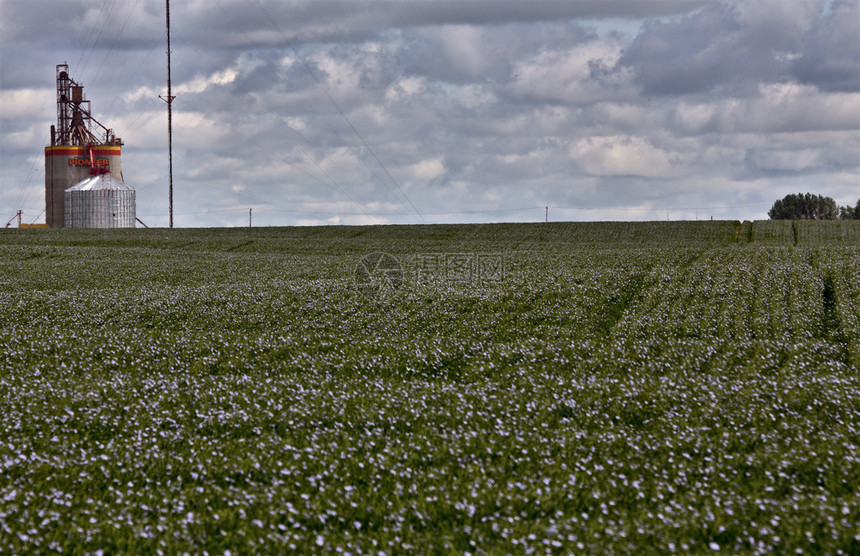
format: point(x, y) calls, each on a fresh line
point(552, 388)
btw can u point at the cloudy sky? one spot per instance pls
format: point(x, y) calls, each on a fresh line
point(410, 111)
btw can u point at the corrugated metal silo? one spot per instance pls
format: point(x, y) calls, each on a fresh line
point(100, 201)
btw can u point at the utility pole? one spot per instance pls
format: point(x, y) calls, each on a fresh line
point(249, 217)
point(169, 101)
point(546, 217)
point(18, 216)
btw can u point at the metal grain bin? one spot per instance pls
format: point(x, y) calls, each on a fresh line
point(100, 201)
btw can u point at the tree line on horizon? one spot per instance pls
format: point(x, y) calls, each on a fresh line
point(808, 206)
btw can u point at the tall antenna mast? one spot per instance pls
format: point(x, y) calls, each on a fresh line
point(169, 101)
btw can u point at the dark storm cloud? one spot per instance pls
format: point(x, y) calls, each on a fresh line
point(271, 22)
point(720, 46)
point(335, 20)
point(734, 47)
point(60, 23)
point(830, 58)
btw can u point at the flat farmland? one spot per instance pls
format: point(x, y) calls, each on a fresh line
point(593, 388)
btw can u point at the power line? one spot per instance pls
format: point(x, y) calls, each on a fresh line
point(297, 137)
point(25, 193)
point(536, 172)
point(338, 108)
point(465, 212)
point(119, 33)
point(293, 134)
point(331, 181)
point(98, 36)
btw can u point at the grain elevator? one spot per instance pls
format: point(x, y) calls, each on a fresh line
point(84, 168)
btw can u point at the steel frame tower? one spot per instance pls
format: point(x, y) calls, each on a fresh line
point(74, 115)
point(169, 100)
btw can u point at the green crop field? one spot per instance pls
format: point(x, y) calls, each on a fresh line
point(587, 388)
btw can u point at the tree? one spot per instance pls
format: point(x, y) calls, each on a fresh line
point(804, 207)
point(850, 213)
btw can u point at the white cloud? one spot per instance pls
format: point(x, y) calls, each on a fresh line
point(447, 106)
point(424, 170)
point(575, 75)
point(790, 107)
point(23, 104)
point(624, 156)
point(201, 83)
point(405, 88)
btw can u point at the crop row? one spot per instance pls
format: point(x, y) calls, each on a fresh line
point(594, 400)
point(353, 240)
